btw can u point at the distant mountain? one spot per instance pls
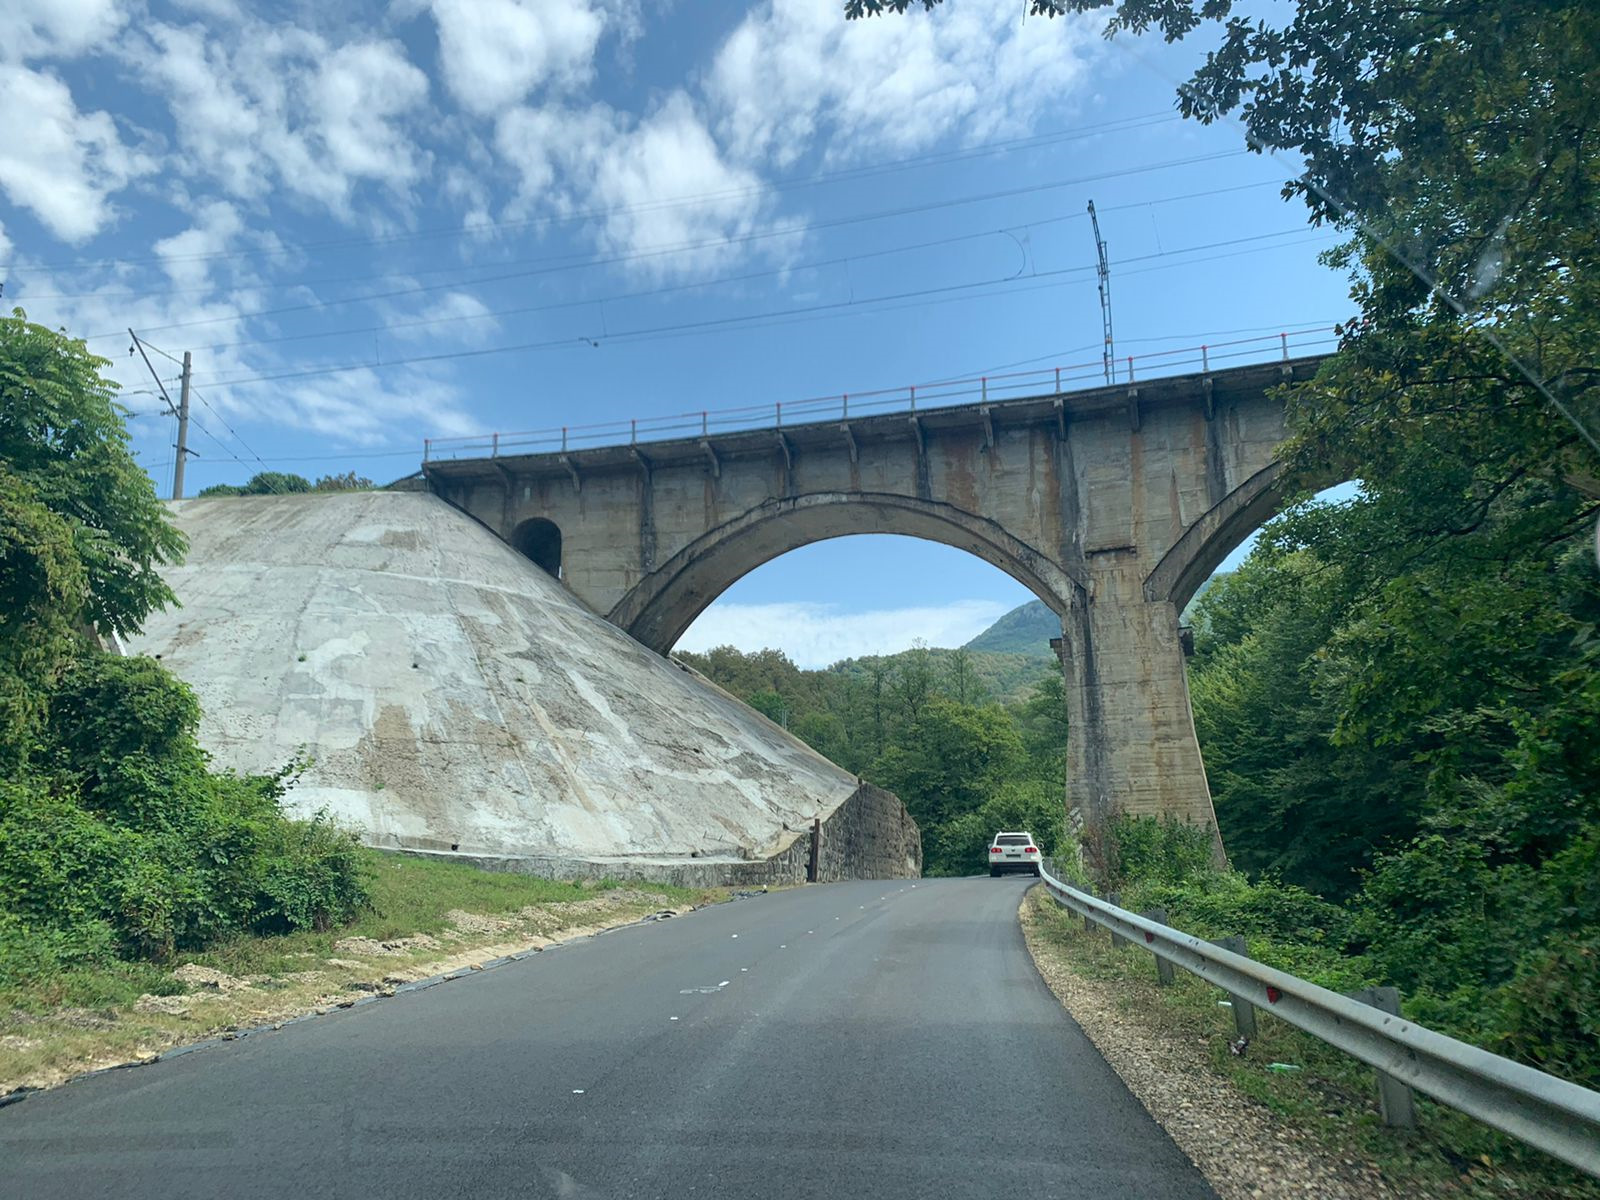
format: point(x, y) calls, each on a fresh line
point(1026, 630)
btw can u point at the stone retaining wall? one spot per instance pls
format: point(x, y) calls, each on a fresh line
point(869, 836)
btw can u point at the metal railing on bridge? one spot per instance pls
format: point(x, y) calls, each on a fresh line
point(1554, 1115)
point(914, 398)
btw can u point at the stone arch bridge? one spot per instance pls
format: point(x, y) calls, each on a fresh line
point(1112, 505)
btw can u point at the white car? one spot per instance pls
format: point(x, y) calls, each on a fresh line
point(1013, 851)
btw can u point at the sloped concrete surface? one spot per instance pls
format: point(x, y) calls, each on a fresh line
point(455, 698)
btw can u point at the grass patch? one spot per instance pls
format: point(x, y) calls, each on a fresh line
point(1331, 1098)
point(58, 1021)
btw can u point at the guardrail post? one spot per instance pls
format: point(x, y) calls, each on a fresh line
point(633, 429)
point(1130, 368)
point(705, 423)
point(1394, 1098)
point(779, 410)
point(1284, 338)
point(427, 448)
point(1115, 900)
point(844, 406)
point(494, 449)
point(1164, 975)
point(1088, 921)
point(984, 386)
point(1205, 360)
point(1244, 1013)
point(1058, 381)
point(913, 399)
point(563, 437)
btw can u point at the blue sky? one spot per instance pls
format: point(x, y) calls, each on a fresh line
point(670, 207)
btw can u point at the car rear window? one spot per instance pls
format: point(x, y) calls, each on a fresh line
point(1011, 839)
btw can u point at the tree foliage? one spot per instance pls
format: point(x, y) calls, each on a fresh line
point(115, 837)
point(64, 450)
point(285, 483)
point(924, 723)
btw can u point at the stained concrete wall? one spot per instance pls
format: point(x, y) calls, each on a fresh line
point(869, 836)
point(456, 699)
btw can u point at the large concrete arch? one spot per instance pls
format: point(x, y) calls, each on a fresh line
point(666, 602)
point(1111, 504)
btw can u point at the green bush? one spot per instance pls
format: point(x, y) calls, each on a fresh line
point(121, 832)
point(1147, 850)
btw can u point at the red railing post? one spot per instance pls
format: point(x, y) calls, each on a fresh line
point(563, 437)
point(1130, 368)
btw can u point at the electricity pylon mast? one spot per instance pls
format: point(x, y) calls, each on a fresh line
point(1108, 351)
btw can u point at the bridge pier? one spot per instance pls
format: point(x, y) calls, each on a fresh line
point(1131, 744)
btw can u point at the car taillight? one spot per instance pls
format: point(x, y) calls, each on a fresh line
point(1031, 850)
point(994, 849)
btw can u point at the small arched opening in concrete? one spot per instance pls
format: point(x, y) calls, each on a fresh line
point(540, 540)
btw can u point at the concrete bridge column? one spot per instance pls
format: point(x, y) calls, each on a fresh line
point(1131, 745)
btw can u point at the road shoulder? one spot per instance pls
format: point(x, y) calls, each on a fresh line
point(1245, 1151)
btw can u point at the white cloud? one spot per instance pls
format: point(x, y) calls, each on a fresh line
point(817, 635)
point(660, 185)
point(494, 52)
point(186, 256)
point(31, 29)
point(282, 108)
point(795, 74)
point(5, 245)
point(61, 163)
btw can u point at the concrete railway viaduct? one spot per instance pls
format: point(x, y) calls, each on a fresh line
point(1111, 504)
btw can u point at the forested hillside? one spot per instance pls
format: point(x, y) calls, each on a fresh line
point(971, 742)
point(1026, 629)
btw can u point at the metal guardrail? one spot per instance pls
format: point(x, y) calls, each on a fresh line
point(911, 399)
point(1553, 1115)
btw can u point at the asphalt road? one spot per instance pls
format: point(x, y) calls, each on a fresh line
point(850, 1040)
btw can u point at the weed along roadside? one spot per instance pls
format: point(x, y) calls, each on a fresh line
point(426, 919)
point(1279, 1113)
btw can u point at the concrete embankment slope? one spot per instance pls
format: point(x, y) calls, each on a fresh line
point(456, 699)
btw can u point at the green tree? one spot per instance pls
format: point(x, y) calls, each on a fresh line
point(946, 764)
point(64, 448)
point(267, 483)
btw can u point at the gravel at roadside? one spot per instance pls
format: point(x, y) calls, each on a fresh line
point(1244, 1150)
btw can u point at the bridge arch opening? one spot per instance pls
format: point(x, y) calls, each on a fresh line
point(663, 605)
point(858, 645)
point(539, 539)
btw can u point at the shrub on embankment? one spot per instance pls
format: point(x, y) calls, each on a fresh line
point(116, 840)
point(1510, 964)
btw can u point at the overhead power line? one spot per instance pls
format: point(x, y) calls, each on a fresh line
point(667, 289)
point(686, 247)
point(723, 322)
point(478, 228)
